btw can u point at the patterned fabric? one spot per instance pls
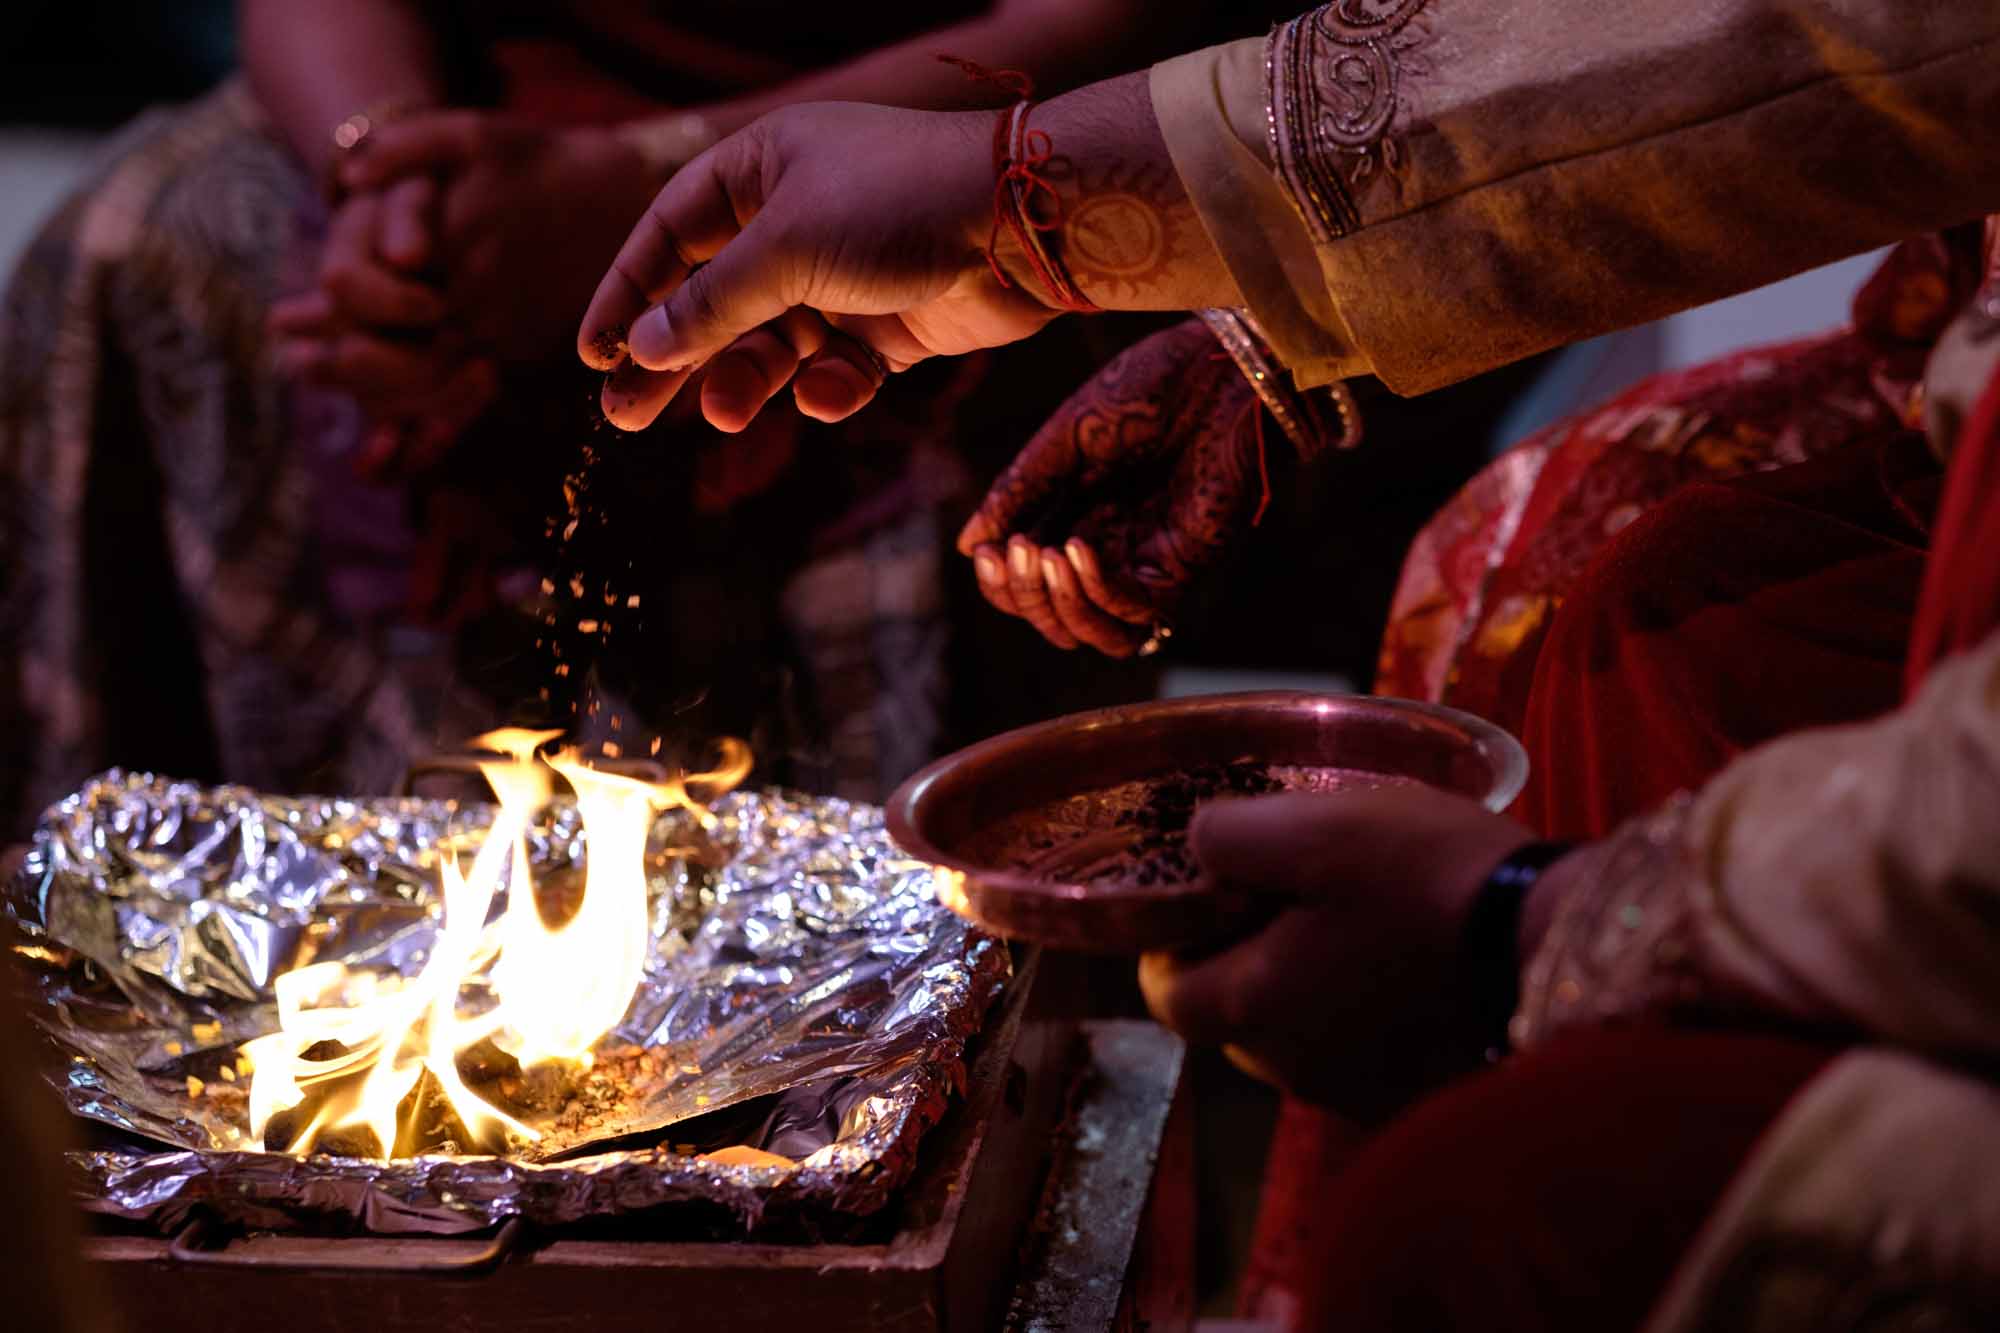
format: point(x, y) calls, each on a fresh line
point(1333, 80)
point(1461, 186)
point(1837, 875)
point(155, 511)
point(1484, 578)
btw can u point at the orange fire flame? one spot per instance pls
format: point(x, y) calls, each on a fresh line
point(357, 1043)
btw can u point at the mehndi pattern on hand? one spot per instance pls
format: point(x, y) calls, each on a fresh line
point(1139, 485)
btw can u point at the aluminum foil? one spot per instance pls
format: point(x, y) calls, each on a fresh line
point(798, 955)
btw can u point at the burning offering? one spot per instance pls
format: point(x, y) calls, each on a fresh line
point(379, 1068)
point(598, 996)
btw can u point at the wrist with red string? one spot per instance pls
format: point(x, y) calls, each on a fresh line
point(1028, 212)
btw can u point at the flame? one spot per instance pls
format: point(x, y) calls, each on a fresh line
point(353, 1048)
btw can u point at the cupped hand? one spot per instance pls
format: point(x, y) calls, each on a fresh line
point(874, 217)
point(1352, 995)
point(1139, 484)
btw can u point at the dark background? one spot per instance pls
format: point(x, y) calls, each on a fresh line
point(94, 63)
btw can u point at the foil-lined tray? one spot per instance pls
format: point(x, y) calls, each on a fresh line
point(802, 972)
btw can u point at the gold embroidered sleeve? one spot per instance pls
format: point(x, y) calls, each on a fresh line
point(1211, 110)
point(1333, 83)
point(1480, 180)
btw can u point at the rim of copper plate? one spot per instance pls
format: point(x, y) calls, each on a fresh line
point(933, 814)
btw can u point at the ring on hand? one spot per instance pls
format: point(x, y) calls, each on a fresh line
point(1161, 633)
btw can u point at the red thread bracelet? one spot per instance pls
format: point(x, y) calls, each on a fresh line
point(1019, 155)
point(1020, 183)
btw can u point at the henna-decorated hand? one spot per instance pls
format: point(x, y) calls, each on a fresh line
point(1138, 485)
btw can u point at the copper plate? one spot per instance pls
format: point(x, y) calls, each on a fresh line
point(937, 815)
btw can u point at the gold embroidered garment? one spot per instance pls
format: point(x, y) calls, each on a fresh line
point(1423, 189)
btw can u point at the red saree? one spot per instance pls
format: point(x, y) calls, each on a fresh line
point(1960, 601)
point(1715, 559)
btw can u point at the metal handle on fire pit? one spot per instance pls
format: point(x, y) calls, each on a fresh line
point(380, 1255)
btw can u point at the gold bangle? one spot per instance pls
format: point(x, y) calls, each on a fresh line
point(1239, 335)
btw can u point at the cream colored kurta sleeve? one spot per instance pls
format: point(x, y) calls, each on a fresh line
point(1848, 876)
point(1478, 180)
point(1216, 137)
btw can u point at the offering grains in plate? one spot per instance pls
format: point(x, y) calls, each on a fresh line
point(1135, 834)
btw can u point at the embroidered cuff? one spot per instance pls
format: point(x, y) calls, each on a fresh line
point(1210, 105)
point(1332, 82)
point(1621, 945)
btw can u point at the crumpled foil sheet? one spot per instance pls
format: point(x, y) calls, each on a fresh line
point(808, 958)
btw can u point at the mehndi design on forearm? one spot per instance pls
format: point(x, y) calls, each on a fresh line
point(1125, 229)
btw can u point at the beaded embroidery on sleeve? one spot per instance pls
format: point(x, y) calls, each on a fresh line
point(1333, 81)
point(1621, 946)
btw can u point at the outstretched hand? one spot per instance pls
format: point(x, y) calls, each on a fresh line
point(1351, 996)
point(880, 221)
point(1137, 486)
point(872, 216)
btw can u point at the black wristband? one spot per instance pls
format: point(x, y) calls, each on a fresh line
point(1490, 943)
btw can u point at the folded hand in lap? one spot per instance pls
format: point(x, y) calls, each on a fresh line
point(375, 325)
